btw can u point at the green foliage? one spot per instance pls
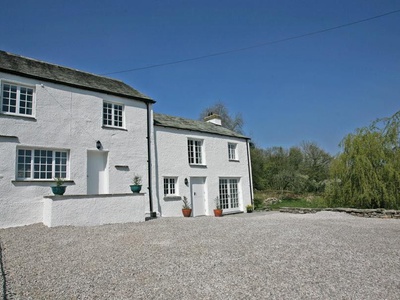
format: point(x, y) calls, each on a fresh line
point(59, 181)
point(257, 168)
point(137, 180)
point(299, 170)
point(259, 203)
point(367, 173)
point(186, 204)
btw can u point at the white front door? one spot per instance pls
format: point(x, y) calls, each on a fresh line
point(97, 172)
point(198, 196)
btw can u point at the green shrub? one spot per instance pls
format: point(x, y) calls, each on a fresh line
point(259, 203)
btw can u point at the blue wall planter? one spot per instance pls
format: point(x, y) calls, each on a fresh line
point(135, 188)
point(58, 190)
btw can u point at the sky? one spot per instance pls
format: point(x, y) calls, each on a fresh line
point(317, 88)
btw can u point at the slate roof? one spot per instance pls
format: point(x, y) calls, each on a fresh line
point(188, 124)
point(28, 67)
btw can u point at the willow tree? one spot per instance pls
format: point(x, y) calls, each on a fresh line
point(367, 173)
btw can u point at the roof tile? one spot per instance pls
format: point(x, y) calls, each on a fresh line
point(20, 65)
point(188, 124)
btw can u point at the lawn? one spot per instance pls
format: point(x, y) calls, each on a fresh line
point(288, 200)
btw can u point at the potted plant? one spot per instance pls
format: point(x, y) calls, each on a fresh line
point(186, 209)
point(59, 188)
point(249, 208)
point(137, 184)
point(218, 209)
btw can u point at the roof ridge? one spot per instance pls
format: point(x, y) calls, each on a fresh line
point(199, 125)
point(35, 68)
point(57, 65)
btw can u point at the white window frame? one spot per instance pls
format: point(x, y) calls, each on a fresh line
point(229, 193)
point(114, 108)
point(34, 162)
point(232, 152)
point(196, 152)
point(170, 186)
point(18, 99)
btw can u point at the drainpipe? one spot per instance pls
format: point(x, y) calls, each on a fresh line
point(149, 126)
point(249, 168)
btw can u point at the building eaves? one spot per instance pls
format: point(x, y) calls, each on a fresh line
point(193, 125)
point(23, 66)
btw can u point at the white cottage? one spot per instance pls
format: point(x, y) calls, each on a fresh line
point(203, 161)
point(97, 133)
point(60, 122)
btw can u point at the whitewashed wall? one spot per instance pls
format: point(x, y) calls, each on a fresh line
point(93, 210)
point(67, 118)
point(172, 160)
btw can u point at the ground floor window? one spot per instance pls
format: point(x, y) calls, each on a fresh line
point(41, 164)
point(228, 193)
point(170, 185)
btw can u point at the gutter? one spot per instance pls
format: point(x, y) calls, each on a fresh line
point(250, 172)
point(149, 164)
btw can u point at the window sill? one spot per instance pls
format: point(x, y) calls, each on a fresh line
point(13, 116)
point(47, 182)
point(198, 166)
point(116, 128)
point(172, 198)
point(234, 160)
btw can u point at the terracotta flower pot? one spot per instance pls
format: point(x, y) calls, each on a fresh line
point(218, 212)
point(186, 212)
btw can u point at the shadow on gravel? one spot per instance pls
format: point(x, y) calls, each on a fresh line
point(3, 275)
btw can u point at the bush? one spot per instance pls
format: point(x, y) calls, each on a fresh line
point(259, 203)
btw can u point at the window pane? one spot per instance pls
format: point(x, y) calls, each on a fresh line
point(107, 113)
point(17, 99)
point(195, 152)
point(190, 152)
point(223, 193)
point(169, 186)
point(233, 190)
point(24, 163)
point(112, 114)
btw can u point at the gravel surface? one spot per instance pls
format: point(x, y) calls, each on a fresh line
point(269, 255)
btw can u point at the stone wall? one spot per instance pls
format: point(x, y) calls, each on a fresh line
point(367, 213)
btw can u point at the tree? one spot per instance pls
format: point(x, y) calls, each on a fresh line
point(257, 167)
point(367, 173)
point(234, 123)
point(315, 165)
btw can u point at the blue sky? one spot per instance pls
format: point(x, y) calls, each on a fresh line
point(318, 88)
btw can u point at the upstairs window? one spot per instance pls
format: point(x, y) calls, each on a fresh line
point(195, 152)
point(17, 99)
point(232, 151)
point(170, 186)
point(113, 115)
point(41, 164)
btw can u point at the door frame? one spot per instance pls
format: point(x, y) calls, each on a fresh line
point(103, 183)
point(203, 182)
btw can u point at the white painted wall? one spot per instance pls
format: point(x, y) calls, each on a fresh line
point(67, 118)
point(172, 160)
point(78, 210)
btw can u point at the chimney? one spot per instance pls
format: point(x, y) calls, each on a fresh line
point(213, 118)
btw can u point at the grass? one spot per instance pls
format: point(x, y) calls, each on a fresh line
point(288, 200)
point(317, 202)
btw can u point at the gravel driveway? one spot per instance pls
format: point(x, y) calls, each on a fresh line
point(270, 255)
